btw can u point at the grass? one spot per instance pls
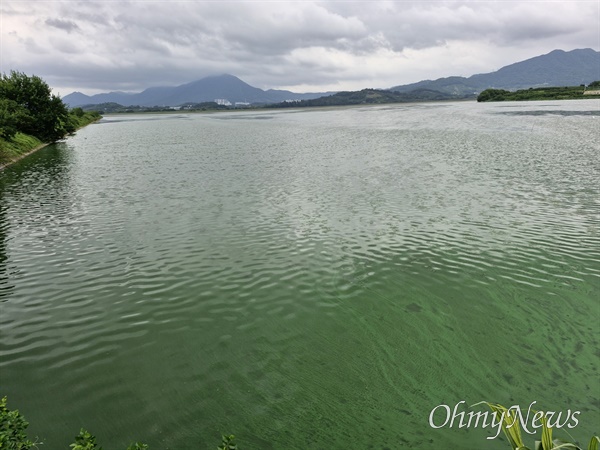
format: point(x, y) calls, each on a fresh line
point(19, 145)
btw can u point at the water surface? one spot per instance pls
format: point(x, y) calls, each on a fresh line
point(304, 279)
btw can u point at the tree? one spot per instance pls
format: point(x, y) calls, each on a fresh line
point(41, 113)
point(11, 117)
point(78, 112)
point(491, 95)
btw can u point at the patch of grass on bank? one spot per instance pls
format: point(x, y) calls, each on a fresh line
point(11, 149)
point(20, 144)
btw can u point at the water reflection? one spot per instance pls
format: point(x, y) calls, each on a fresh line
point(39, 184)
point(5, 285)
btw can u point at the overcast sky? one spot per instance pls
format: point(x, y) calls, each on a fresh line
point(303, 46)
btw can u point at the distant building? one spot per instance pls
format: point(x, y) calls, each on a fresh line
point(222, 102)
point(242, 104)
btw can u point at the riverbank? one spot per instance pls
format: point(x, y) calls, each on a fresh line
point(18, 147)
point(22, 145)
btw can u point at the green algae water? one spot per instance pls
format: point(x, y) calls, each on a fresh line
point(304, 279)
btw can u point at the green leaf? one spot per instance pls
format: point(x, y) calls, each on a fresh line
point(546, 434)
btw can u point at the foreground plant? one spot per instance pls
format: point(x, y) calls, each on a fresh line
point(227, 443)
point(13, 436)
point(12, 429)
point(512, 431)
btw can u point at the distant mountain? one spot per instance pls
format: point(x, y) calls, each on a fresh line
point(557, 68)
point(207, 89)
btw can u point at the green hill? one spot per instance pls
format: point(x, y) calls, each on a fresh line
point(369, 97)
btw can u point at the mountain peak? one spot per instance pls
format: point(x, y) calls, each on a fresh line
point(557, 68)
point(208, 89)
point(220, 76)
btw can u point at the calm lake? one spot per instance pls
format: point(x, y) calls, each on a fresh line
point(304, 279)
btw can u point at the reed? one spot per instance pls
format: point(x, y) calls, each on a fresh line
point(512, 431)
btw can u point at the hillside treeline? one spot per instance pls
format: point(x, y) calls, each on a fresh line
point(368, 97)
point(542, 93)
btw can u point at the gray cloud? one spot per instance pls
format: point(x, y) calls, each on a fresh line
point(66, 25)
point(301, 45)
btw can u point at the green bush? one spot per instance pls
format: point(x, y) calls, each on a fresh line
point(490, 95)
point(78, 112)
point(227, 443)
point(85, 441)
point(12, 429)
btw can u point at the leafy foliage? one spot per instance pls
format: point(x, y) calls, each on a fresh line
point(32, 107)
point(12, 429)
point(492, 95)
point(13, 437)
point(12, 115)
point(30, 115)
point(137, 446)
point(545, 93)
point(227, 443)
point(85, 441)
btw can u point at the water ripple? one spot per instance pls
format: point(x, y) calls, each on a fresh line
point(299, 272)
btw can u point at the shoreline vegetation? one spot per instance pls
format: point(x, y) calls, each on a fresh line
point(31, 117)
point(22, 145)
point(592, 91)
